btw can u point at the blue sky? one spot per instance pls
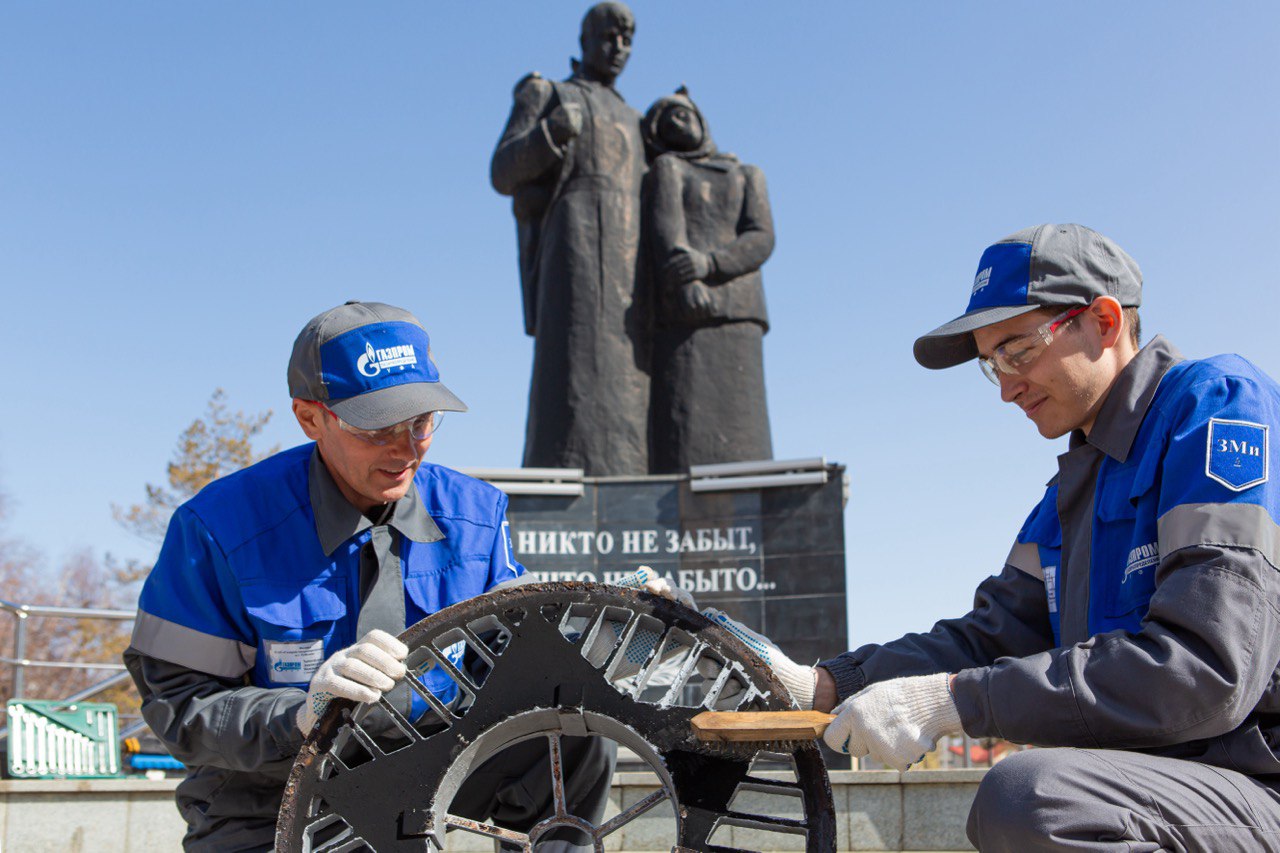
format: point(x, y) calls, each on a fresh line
point(182, 185)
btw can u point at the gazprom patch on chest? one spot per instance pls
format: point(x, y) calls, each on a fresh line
point(294, 663)
point(1237, 453)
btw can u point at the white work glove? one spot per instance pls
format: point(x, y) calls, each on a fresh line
point(647, 579)
point(799, 680)
point(361, 673)
point(896, 722)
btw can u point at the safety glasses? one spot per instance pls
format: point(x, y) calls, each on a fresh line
point(419, 428)
point(1012, 357)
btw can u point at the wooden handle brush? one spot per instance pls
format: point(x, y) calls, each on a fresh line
point(760, 727)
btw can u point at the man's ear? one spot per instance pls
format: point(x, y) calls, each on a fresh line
point(308, 415)
point(1107, 312)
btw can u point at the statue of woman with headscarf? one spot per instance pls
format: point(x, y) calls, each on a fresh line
point(709, 231)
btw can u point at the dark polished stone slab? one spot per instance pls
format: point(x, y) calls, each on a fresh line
point(745, 503)
point(806, 575)
point(638, 501)
point(812, 618)
point(772, 558)
point(804, 533)
point(805, 499)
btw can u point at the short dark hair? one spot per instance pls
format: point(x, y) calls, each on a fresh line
point(1134, 322)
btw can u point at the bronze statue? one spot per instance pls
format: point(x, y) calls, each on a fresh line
point(709, 232)
point(572, 158)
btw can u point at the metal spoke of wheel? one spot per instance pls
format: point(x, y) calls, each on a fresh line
point(488, 829)
point(553, 661)
point(556, 763)
point(623, 818)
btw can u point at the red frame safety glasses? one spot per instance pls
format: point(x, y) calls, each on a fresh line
point(1012, 357)
point(419, 427)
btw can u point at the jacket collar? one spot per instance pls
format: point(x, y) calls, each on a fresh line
point(337, 520)
point(1127, 401)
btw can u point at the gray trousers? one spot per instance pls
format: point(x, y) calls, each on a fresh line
point(1102, 799)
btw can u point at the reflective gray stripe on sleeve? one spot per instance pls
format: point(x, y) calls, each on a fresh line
point(1232, 525)
point(187, 647)
point(1025, 557)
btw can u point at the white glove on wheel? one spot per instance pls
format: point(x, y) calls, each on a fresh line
point(647, 579)
point(361, 673)
point(895, 722)
point(799, 680)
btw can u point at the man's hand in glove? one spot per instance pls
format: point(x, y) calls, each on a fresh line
point(799, 680)
point(895, 722)
point(647, 579)
point(361, 673)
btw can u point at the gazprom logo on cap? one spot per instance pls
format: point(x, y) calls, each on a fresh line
point(981, 280)
point(1003, 276)
point(374, 356)
point(374, 361)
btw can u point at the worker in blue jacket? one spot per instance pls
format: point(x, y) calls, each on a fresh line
point(283, 586)
point(1135, 625)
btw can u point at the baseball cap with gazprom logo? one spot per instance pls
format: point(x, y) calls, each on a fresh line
point(371, 364)
point(1048, 266)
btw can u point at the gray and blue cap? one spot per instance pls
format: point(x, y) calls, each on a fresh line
point(371, 364)
point(1048, 266)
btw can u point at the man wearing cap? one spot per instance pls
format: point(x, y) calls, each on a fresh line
point(1135, 624)
point(284, 585)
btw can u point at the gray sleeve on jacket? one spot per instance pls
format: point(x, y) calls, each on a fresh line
point(1009, 617)
point(220, 722)
point(1203, 660)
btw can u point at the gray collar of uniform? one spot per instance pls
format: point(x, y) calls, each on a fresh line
point(1126, 405)
point(337, 520)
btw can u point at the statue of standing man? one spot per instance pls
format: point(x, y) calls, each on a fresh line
point(572, 157)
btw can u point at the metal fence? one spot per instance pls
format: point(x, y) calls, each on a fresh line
point(20, 663)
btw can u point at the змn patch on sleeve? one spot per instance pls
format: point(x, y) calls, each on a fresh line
point(1236, 455)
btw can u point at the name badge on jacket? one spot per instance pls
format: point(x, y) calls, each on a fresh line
point(294, 663)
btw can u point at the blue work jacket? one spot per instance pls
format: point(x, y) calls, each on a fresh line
point(247, 583)
point(1203, 448)
point(1139, 607)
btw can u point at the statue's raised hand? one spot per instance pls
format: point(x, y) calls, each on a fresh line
point(564, 123)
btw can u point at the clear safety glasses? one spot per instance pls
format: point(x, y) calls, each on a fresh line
point(1012, 357)
point(419, 428)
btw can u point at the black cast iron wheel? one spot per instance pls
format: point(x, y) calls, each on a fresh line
point(546, 660)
